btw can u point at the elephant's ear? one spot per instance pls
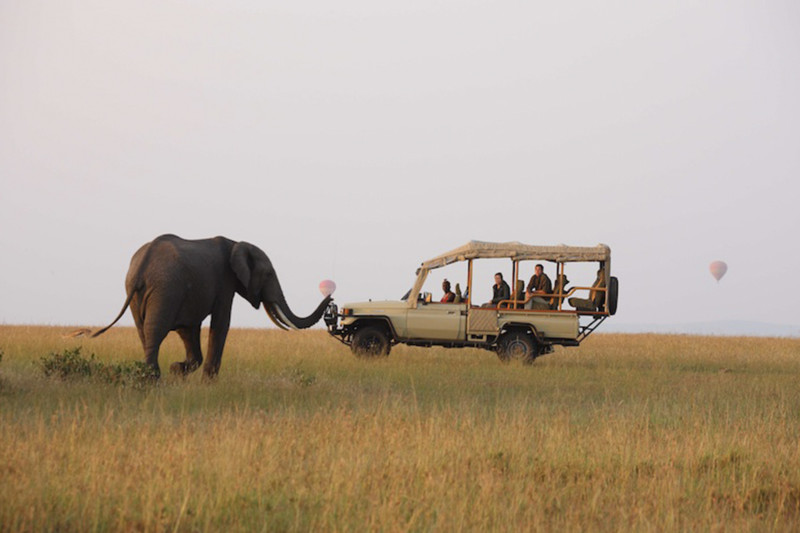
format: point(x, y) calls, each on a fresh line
point(241, 259)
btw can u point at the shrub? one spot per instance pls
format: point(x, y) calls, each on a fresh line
point(136, 374)
point(70, 364)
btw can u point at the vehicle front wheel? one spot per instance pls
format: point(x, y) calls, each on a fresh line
point(517, 345)
point(371, 341)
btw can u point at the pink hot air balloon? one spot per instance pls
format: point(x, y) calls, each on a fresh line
point(326, 287)
point(718, 269)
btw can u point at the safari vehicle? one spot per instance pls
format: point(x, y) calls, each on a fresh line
point(514, 328)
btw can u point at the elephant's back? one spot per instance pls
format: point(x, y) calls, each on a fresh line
point(170, 259)
point(177, 248)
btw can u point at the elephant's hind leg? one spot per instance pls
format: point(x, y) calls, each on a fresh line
point(194, 356)
point(155, 327)
point(153, 336)
point(137, 319)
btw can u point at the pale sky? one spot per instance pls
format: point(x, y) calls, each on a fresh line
point(352, 140)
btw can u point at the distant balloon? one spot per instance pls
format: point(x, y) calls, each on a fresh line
point(326, 287)
point(718, 269)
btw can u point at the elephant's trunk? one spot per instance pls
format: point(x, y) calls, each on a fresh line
point(281, 311)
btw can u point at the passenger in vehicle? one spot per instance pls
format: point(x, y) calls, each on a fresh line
point(500, 291)
point(538, 286)
point(560, 288)
point(597, 298)
point(449, 296)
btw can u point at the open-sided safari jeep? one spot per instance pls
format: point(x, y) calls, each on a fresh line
point(516, 328)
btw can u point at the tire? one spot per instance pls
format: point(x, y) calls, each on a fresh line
point(613, 294)
point(517, 345)
point(371, 341)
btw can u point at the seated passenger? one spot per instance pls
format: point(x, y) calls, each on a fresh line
point(560, 288)
point(596, 298)
point(500, 291)
point(538, 286)
point(449, 296)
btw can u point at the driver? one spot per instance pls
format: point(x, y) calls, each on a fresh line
point(449, 296)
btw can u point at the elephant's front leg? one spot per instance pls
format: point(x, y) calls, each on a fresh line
point(194, 356)
point(218, 332)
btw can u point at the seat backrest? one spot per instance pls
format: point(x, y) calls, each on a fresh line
point(598, 298)
point(519, 294)
point(559, 288)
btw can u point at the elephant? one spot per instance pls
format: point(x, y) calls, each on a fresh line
point(173, 284)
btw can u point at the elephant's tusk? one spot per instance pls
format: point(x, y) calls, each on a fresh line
point(280, 318)
point(274, 320)
point(283, 318)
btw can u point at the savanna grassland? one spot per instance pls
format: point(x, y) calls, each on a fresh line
point(628, 432)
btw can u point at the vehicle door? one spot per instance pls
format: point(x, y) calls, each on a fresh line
point(437, 321)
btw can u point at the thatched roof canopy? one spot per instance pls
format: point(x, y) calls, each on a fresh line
point(519, 252)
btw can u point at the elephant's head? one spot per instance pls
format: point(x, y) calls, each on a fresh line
point(259, 284)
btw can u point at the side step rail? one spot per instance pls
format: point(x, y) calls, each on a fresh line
point(587, 330)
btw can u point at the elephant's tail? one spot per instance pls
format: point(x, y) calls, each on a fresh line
point(124, 307)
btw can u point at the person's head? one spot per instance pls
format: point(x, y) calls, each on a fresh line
point(446, 286)
point(538, 269)
point(498, 278)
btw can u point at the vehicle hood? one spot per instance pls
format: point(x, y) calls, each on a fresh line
point(375, 306)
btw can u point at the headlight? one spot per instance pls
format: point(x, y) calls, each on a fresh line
point(347, 312)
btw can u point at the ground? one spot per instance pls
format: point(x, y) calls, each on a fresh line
point(643, 432)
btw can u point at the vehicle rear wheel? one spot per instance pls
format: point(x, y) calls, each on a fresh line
point(517, 345)
point(371, 341)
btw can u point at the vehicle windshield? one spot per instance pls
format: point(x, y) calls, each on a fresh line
point(447, 284)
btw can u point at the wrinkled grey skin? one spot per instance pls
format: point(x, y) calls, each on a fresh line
point(173, 284)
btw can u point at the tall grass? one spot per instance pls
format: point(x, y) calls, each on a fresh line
point(643, 432)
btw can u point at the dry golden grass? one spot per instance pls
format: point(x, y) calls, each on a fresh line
point(642, 432)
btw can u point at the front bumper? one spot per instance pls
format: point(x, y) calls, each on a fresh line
point(331, 319)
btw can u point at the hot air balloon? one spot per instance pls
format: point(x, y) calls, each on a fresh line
point(718, 269)
point(326, 287)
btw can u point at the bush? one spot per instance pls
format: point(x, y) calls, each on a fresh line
point(70, 364)
point(134, 373)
